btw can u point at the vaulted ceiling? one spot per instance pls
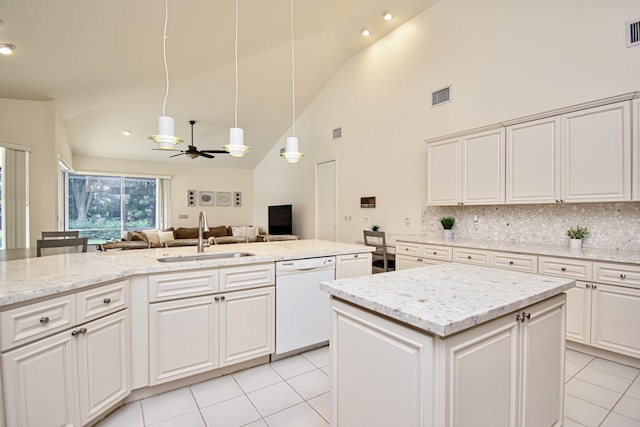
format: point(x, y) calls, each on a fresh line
point(102, 62)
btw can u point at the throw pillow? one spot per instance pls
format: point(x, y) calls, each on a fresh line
point(165, 236)
point(152, 237)
point(217, 231)
point(186, 233)
point(138, 236)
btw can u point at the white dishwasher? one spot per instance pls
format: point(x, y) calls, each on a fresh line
point(302, 309)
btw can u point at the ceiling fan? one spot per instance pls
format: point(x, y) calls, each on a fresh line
point(193, 152)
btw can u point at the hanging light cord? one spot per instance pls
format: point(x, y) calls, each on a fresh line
point(236, 56)
point(164, 54)
point(293, 79)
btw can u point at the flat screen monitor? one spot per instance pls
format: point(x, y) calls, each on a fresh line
point(280, 219)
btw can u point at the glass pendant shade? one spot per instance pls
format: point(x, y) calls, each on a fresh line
point(236, 147)
point(291, 153)
point(165, 138)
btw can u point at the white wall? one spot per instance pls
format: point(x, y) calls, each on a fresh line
point(201, 175)
point(504, 59)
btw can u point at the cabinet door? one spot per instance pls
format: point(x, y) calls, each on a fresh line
point(443, 173)
point(404, 262)
point(471, 256)
point(612, 324)
point(353, 265)
point(103, 364)
point(39, 382)
point(579, 313)
point(247, 276)
point(534, 154)
point(483, 168)
point(398, 361)
point(635, 134)
point(542, 337)
point(597, 154)
point(247, 325)
point(183, 338)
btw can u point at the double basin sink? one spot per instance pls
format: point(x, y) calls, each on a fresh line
point(203, 256)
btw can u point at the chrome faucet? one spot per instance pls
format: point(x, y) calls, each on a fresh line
point(202, 227)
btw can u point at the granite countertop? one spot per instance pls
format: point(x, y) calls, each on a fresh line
point(32, 278)
point(447, 298)
point(591, 254)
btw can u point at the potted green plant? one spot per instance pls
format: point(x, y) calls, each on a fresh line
point(576, 235)
point(447, 223)
point(375, 227)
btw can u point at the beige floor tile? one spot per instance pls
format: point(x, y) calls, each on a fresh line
point(215, 391)
point(292, 366)
point(634, 390)
point(570, 423)
point(259, 423)
point(604, 379)
point(617, 420)
point(301, 415)
point(129, 415)
point(578, 357)
point(311, 384)
point(319, 357)
point(256, 378)
point(322, 404)
point(234, 412)
point(191, 419)
point(274, 398)
point(619, 369)
point(583, 412)
point(572, 368)
point(592, 393)
point(168, 405)
point(629, 407)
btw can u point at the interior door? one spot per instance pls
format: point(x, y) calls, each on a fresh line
point(326, 203)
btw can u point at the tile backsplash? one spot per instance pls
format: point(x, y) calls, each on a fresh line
point(611, 225)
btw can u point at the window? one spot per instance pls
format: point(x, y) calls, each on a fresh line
point(102, 207)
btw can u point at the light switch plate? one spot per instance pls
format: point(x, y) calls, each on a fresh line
point(191, 197)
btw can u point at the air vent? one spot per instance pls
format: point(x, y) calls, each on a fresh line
point(337, 133)
point(441, 96)
point(633, 33)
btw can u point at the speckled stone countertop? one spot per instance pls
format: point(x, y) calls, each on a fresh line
point(32, 278)
point(591, 254)
point(447, 298)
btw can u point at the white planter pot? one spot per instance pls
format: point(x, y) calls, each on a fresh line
point(575, 243)
point(448, 234)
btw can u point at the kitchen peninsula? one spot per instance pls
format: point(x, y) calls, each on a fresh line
point(448, 345)
point(82, 333)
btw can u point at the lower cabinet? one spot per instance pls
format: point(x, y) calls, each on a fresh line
point(353, 265)
point(68, 378)
point(598, 315)
point(506, 372)
point(193, 335)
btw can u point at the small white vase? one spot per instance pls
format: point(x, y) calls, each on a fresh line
point(448, 234)
point(575, 243)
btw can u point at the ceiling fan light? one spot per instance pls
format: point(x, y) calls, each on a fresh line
point(290, 153)
point(236, 147)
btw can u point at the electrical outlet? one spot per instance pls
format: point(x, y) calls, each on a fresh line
point(183, 216)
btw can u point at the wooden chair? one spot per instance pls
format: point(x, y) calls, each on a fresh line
point(80, 242)
point(60, 234)
point(382, 260)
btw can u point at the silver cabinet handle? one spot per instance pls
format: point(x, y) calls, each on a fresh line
point(419, 259)
point(435, 253)
point(594, 286)
point(468, 256)
point(623, 276)
point(563, 268)
point(510, 262)
point(44, 320)
point(107, 301)
point(355, 256)
point(222, 298)
point(216, 298)
point(587, 286)
point(78, 332)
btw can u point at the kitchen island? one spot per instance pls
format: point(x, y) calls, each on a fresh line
point(448, 345)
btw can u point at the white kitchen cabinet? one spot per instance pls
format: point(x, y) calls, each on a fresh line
point(353, 265)
point(522, 375)
point(635, 135)
point(247, 327)
point(469, 170)
point(183, 338)
point(579, 313)
point(614, 309)
point(412, 255)
point(516, 262)
point(69, 378)
point(471, 256)
point(534, 162)
point(597, 154)
point(247, 276)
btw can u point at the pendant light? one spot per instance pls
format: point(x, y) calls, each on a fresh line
point(236, 147)
point(291, 151)
point(165, 138)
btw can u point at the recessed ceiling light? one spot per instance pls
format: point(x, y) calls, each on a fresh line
point(387, 16)
point(126, 132)
point(6, 48)
point(365, 32)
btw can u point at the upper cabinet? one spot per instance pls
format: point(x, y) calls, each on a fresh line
point(597, 154)
point(578, 154)
point(635, 108)
point(468, 170)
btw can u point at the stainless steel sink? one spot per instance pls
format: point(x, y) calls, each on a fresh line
point(203, 257)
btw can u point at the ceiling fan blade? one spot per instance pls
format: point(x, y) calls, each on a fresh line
point(175, 155)
point(163, 149)
point(208, 156)
point(214, 151)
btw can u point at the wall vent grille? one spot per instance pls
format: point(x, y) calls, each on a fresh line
point(337, 133)
point(633, 33)
point(441, 96)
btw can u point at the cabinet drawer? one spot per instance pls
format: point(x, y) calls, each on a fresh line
point(616, 274)
point(164, 287)
point(251, 276)
point(106, 299)
point(441, 253)
point(562, 267)
point(470, 256)
point(517, 262)
point(408, 248)
point(25, 324)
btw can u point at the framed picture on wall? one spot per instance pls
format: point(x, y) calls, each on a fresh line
point(207, 198)
point(223, 198)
